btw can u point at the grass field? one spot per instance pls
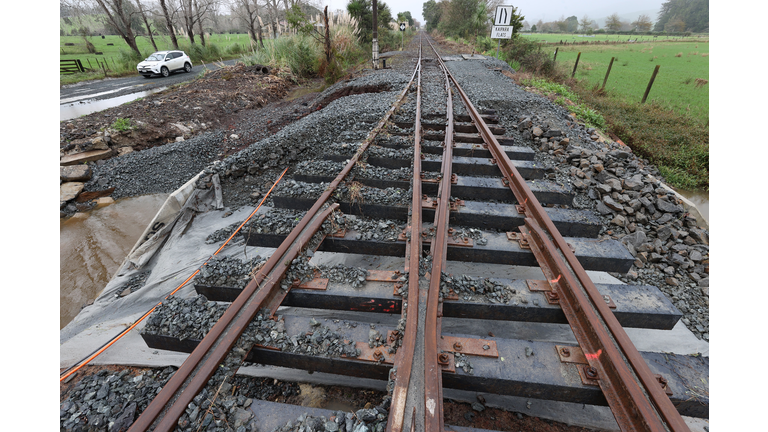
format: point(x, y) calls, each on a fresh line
point(570, 38)
point(118, 45)
point(114, 52)
point(681, 84)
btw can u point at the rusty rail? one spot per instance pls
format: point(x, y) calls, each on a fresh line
point(635, 396)
point(433, 382)
point(166, 408)
point(198, 368)
point(404, 359)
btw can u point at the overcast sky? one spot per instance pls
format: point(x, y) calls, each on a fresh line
point(535, 10)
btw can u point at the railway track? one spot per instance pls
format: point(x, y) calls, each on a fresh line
point(444, 192)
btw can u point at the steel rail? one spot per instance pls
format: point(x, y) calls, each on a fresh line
point(198, 368)
point(404, 358)
point(200, 365)
point(433, 375)
point(633, 393)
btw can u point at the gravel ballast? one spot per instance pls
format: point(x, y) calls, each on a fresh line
point(671, 250)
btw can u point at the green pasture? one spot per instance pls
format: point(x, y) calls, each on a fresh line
point(675, 87)
point(595, 38)
point(119, 60)
point(102, 44)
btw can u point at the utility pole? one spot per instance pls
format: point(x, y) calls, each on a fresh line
point(375, 36)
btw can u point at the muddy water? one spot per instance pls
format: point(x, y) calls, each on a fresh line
point(70, 109)
point(700, 199)
point(93, 247)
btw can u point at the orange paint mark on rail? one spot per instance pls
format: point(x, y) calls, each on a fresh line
point(593, 356)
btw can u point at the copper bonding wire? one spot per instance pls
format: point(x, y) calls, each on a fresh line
point(168, 405)
point(104, 347)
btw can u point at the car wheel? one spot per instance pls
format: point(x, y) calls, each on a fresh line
point(187, 67)
point(164, 70)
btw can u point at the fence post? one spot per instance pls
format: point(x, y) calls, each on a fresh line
point(608, 72)
point(555, 58)
point(650, 83)
point(578, 56)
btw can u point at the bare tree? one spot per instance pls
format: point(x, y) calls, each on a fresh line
point(200, 23)
point(146, 23)
point(561, 23)
point(168, 15)
point(613, 22)
point(192, 13)
point(247, 12)
point(643, 23)
point(119, 18)
point(586, 24)
point(274, 11)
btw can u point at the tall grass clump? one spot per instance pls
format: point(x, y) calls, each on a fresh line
point(302, 56)
point(346, 52)
point(299, 53)
point(529, 56)
point(208, 53)
point(485, 43)
point(305, 53)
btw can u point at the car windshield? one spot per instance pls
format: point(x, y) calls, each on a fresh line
point(156, 57)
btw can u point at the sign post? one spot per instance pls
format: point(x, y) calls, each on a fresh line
point(402, 35)
point(501, 25)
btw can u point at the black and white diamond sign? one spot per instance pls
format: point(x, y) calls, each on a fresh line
point(402, 26)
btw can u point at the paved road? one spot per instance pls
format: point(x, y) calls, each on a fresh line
point(115, 87)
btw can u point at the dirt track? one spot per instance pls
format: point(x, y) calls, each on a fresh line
point(211, 102)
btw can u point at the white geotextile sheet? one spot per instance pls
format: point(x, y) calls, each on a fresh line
point(178, 258)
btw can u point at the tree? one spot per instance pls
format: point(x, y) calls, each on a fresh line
point(675, 25)
point(146, 23)
point(533, 28)
point(480, 17)
point(562, 26)
point(193, 12)
point(694, 13)
point(405, 17)
point(299, 21)
point(432, 12)
point(247, 12)
point(362, 11)
point(274, 11)
point(465, 18)
point(571, 24)
point(643, 23)
point(118, 16)
point(169, 23)
point(613, 22)
point(587, 25)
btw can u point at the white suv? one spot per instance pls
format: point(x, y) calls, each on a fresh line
point(165, 62)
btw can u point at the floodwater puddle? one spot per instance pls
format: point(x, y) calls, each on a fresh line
point(76, 109)
point(93, 245)
point(698, 198)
